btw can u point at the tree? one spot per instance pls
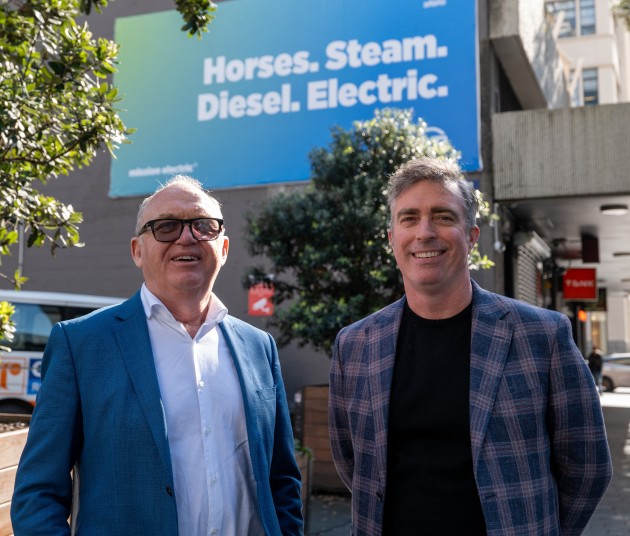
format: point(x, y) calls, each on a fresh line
point(57, 110)
point(327, 244)
point(622, 10)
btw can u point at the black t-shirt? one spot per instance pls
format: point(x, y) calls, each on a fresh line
point(430, 483)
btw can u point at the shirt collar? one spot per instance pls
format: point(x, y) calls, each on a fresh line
point(152, 306)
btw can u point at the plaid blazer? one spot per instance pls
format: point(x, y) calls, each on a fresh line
point(539, 449)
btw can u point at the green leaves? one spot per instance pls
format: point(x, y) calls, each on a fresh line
point(327, 244)
point(57, 111)
point(622, 10)
point(7, 327)
point(55, 115)
point(197, 15)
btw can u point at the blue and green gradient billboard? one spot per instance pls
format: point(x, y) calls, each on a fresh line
point(246, 104)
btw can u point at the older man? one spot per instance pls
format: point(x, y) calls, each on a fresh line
point(172, 412)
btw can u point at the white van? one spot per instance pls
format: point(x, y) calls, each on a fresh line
point(35, 314)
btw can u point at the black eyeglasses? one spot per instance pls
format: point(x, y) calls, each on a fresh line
point(170, 229)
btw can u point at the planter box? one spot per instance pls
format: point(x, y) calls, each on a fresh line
point(305, 463)
point(317, 438)
point(11, 445)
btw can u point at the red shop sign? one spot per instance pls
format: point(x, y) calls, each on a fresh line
point(580, 284)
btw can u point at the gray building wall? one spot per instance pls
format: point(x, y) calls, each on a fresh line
point(593, 163)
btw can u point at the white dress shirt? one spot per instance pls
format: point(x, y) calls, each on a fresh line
point(215, 491)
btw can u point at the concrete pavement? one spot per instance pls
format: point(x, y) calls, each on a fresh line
point(329, 515)
point(612, 517)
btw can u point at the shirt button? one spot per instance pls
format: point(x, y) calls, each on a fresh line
point(214, 532)
point(201, 384)
point(206, 431)
point(213, 480)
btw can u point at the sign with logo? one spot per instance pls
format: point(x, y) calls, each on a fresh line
point(259, 300)
point(12, 376)
point(34, 376)
point(247, 103)
point(580, 284)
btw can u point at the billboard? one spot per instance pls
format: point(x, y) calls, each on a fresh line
point(246, 104)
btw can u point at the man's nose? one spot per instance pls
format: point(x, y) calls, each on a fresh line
point(425, 229)
point(187, 236)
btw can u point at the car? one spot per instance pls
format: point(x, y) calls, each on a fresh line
point(34, 316)
point(616, 371)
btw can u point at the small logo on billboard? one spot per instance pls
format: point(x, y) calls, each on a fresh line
point(259, 300)
point(433, 3)
point(437, 134)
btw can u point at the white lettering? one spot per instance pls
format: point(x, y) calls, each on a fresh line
point(392, 51)
point(326, 94)
point(371, 54)
point(265, 68)
point(211, 70)
point(317, 95)
point(353, 54)
point(235, 70)
point(578, 283)
point(219, 70)
point(337, 58)
point(226, 106)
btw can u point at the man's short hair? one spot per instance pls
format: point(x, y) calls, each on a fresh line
point(177, 180)
point(442, 171)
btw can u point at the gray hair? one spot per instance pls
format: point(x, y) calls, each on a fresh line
point(178, 180)
point(438, 170)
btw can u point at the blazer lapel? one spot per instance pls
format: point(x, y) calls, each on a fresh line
point(134, 344)
point(238, 348)
point(380, 348)
point(491, 339)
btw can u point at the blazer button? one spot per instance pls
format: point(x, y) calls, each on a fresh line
point(169, 490)
point(379, 496)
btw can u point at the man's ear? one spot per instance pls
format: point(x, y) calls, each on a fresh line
point(473, 237)
point(224, 249)
point(136, 251)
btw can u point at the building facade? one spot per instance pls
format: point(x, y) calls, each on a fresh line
point(540, 170)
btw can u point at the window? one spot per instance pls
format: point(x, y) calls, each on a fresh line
point(587, 17)
point(568, 24)
point(33, 324)
point(577, 96)
point(579, 16)
point(590, 86)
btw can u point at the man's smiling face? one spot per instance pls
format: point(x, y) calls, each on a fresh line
point(430, 239)
point(186, 265)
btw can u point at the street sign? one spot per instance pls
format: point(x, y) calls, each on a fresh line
point(259, 300)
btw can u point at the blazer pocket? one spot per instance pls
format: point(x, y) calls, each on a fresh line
point(269, 393)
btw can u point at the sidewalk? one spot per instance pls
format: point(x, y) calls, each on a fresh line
point(329, 515)
point(612, 517)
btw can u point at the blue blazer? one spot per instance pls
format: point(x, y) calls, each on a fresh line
point(539, 449)
point(99, 406)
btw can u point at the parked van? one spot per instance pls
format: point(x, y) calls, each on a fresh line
point(35, 314)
